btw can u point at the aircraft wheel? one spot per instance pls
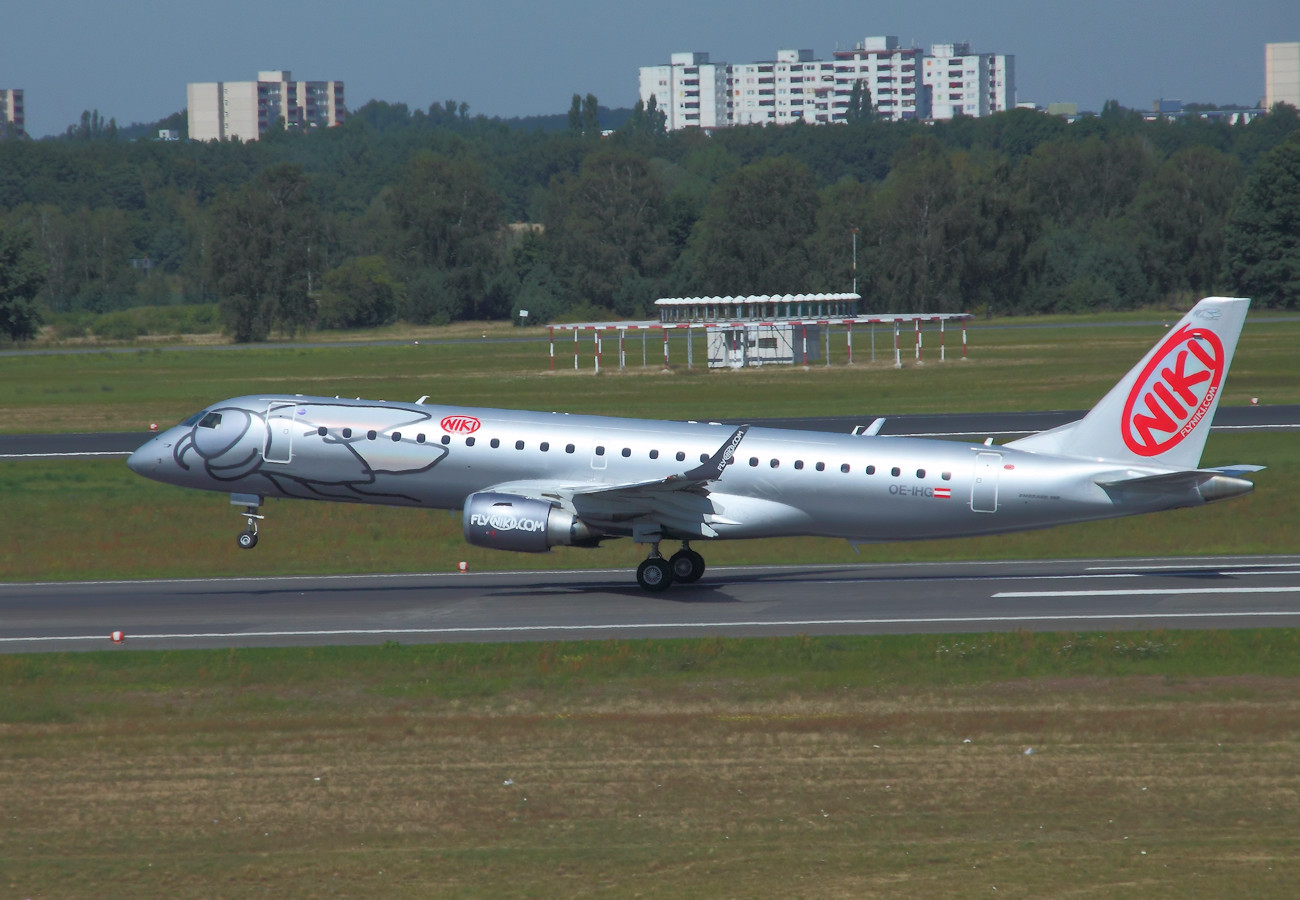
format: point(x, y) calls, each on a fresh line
point(654, 574)
point(687, 566)
point(248, 540)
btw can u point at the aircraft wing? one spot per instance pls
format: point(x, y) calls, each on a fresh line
point(678, 503)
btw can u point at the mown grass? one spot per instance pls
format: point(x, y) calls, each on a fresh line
point(1163, 764)
point(1060, 366)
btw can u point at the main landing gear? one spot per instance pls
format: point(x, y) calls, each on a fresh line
point(657, 574)
point(251, 503)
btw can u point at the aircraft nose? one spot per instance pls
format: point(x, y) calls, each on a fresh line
point(149, 456)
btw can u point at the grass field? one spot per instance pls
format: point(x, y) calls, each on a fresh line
point(1162, 765)
point(1068, 366)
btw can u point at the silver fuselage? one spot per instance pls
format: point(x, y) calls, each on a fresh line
point(780, 483)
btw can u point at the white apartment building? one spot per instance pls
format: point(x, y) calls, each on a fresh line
point(690, 91)
point(11, 110)
point(902, 81)
point(246, 110)
point(892, 73)
point(1282, 74)
point(793, 87)
point(962, 83)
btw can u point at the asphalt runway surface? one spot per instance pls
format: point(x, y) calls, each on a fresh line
point(965, 597)
point(972, 426)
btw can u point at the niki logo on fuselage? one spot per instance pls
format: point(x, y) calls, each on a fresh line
point(232, 444)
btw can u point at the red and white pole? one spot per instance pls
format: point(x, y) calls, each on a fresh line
point(550, 338)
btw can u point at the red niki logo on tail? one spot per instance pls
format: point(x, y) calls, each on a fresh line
point(1174, 391)
point(460, 424)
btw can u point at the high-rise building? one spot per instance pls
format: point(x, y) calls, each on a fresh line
point(690, 91)
point(962, 83)
point(891, 73)
point(1282, 74)
point(11, 112)
point(226, 110)
point(793, 87)
point(899, 82)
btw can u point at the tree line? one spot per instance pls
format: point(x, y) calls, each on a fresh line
point(433, 216)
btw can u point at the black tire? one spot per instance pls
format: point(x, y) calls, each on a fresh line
point(247, 540)
point(687, 566)
point(654, 575)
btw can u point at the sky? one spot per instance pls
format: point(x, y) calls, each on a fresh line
point(512, 58)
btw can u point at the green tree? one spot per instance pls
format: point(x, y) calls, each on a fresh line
point(360, 293)
point(752, 237)
point(859, 108)
point(1179, 216)
point(1263, 237)
point(608, 225)
point(21, 277)
point(447, 219)
point(264, 253)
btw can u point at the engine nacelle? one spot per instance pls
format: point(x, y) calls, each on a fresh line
point(511, 522)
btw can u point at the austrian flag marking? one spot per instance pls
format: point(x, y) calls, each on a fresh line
point(943, 493)
point(1173, 392)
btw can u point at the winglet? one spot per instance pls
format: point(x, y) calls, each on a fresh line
point(711, 470)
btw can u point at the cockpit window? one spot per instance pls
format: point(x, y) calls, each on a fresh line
point(211, 420)
point(189, 423)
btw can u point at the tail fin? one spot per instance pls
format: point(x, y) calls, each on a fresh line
point(1160, 412)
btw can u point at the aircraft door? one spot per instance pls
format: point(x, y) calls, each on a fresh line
point(984, 489)
point(279, 432)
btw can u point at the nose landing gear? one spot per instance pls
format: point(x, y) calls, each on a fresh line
point(251, 503)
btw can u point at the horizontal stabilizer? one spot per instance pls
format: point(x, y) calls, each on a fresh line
point(1211, 484)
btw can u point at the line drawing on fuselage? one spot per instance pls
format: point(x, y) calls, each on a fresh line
point(529, 481)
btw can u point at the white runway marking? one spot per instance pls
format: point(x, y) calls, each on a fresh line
point(645, 626)
point(1152, 592)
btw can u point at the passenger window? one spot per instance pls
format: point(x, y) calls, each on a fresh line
point(895, 471)
point(681, 457)
point(798, 463)
point(419, 438)
point(446, 439)
point(519, 445)
point(371, 435)
point(753, 460)
point(568, 448)
point(600, 451)
point(845, 467)
point(920, 473)
point(871, 470)
point(495, 442)
point(775, 463)
point(347, 432)
point(322, 431)
point(704, 457)
point(627, 451)
point(654, 454)
point(545, 446)
point(397, 436)
point(469, 442)
point(821, 467)
point(946, 476)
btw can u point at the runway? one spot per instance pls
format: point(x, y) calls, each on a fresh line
point(972, 426)
point(1094, 595)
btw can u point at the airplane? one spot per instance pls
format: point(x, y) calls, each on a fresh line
point(529, 481)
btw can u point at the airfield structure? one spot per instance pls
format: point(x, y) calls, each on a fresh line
point(758, 330)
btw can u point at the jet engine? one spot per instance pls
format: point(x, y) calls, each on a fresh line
point(510, 522)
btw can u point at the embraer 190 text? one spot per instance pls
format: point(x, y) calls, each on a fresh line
point(529, 481)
